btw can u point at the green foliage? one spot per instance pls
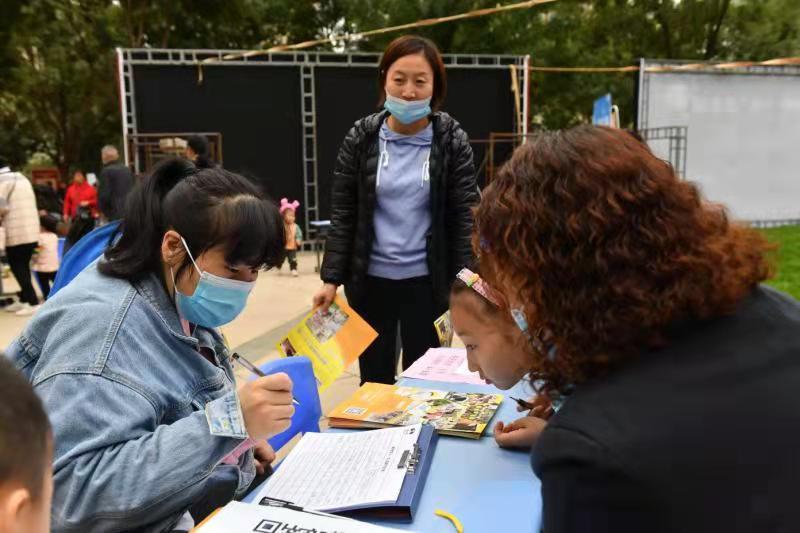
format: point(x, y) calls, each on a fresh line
point(598, 33)
point(60, 92)
point(788, 258)
point(765, 29)
point(58, 88)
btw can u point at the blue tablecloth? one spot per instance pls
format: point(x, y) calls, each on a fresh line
point(487, 488)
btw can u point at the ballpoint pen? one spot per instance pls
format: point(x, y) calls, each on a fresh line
point(254, 369)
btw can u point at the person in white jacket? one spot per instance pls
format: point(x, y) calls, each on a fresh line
point(21, 225)
point(45, 261)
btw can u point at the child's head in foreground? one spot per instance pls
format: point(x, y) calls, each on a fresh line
point(496, 348)
point(26, 451)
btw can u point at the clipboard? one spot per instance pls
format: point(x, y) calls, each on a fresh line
point(417, 463)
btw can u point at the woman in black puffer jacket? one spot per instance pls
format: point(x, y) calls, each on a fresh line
point(401, 214)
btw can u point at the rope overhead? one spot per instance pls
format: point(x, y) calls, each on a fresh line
point(361, 35)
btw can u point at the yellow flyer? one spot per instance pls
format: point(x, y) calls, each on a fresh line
point(444, 330)
point(332, 340)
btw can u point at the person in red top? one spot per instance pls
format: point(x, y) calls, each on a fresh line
point(79, 194)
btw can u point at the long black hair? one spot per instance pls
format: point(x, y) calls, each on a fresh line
point(207, 207)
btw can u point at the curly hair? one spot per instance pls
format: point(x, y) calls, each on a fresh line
point(606, 250)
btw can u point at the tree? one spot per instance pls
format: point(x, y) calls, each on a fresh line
point(764, 29)
point(56, 91)
point(597, 33)
point(60, 96)
point(58, 88)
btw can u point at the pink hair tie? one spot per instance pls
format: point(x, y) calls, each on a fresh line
point(474, 281)
point(286, 204)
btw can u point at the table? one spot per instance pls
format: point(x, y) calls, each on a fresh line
point(487, 488)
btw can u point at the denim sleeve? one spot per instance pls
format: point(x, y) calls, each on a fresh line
point(116, 465)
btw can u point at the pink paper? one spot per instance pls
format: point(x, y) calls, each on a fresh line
point(443, 364)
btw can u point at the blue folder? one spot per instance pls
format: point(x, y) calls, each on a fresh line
point(417, 466)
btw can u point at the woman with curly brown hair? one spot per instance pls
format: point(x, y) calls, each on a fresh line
point(648, 300)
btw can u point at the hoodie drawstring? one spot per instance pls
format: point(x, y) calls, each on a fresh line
point(426, 167)
point(383, 162)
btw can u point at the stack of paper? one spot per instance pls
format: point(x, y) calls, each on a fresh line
point(341, 471)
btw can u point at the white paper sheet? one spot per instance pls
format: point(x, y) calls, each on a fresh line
point(237, 517)
point(463, 370)
point(335, 471)
point(443, 364)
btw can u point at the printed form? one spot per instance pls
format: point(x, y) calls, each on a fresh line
point(336, 471)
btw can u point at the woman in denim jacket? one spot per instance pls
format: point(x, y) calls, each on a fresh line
point(150, 432)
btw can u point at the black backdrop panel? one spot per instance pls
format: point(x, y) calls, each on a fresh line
point(257, 110)
point(480, 99)
point(343, 96)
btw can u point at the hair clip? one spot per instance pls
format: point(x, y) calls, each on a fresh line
point(474, 281)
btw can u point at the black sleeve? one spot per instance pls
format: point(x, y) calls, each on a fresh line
point(585, 489)
point(104, 195)
point(344, 201)
point(462, 197)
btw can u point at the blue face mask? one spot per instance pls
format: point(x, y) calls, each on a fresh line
point(405, 111)
point(216, 301)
